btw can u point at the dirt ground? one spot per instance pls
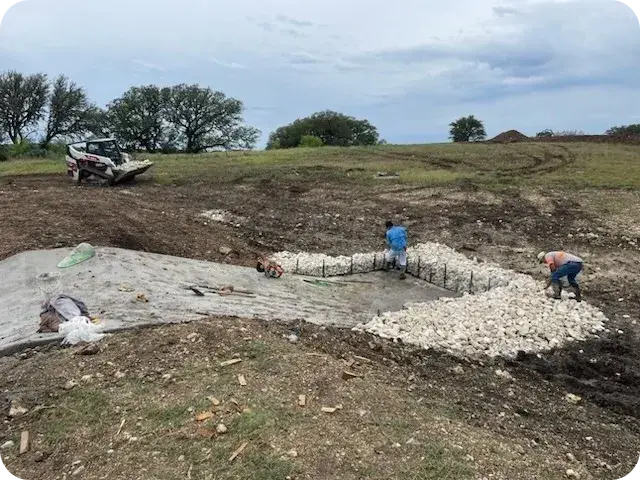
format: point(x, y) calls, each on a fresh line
point(313, 213)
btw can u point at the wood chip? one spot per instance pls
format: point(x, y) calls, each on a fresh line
point(24, 442)
point(214, 400)
point(120, 427)
point(361, 359)
point(238, 451)
point(242, 381)
point(230, 362)
point(206, 432)
point(346, 375)
point(329, 409)
point(201, 417)
point(302, 400)
point(351, 363)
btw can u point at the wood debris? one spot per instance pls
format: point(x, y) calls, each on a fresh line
point(329, 409)
point(346, 375)
point(242, 381)
point(206, 432)
point(214, 401)
point(201, 417)
point(24, 442)
point(120, 427)
point(361, 359)
point(238, 451)
point(302, 400)
point(233, 361)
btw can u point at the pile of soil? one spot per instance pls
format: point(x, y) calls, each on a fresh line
point(509, 137)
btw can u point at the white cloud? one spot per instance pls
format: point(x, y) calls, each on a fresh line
point(148, 65)
point(358, 55)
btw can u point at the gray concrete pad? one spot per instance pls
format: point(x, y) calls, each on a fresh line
point(162, 279)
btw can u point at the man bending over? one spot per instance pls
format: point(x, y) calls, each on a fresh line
point(562, 264)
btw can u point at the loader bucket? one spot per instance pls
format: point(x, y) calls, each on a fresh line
point(128, 171)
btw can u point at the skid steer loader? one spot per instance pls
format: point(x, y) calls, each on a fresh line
point(102, 160)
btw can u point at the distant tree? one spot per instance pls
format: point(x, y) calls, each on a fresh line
point(467, 129)
point(138, 118)
point(205, 119)
point(382, 142)
point(310, 141)
point(545, 133)
point(333, 128)
point(633, 129)
point(22, 103)
point(569, 133)
point(68, 111)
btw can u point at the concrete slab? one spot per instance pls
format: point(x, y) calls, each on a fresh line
point(162, 279)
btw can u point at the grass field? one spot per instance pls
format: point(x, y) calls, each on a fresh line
point(575, 165)
point(412, 414)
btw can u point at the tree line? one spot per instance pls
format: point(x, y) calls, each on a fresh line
point(181, 118)
point(186, 118)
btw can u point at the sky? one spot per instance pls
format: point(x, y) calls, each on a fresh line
point(410, 69)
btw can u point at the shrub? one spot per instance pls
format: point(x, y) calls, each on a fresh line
point(545, 133)
point(4, 153)
point(310, 141)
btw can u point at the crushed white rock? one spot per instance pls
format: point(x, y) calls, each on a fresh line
point(500, 312)
point(221, 216)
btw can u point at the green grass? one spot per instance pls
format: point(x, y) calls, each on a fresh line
point(574, 165)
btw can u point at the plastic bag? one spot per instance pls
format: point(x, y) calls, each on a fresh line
point(81, 253)
point(80, 329)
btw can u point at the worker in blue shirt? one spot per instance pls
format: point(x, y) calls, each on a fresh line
point(397, 243)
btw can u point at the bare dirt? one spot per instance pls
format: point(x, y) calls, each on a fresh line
point(313, 214)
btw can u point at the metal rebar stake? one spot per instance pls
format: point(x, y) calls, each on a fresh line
point(445, 276)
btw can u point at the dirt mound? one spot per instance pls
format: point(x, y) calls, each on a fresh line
point(510, 136)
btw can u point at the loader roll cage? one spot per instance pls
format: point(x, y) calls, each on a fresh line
point(103, 147)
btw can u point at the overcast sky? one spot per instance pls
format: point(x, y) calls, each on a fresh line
point(410, 69)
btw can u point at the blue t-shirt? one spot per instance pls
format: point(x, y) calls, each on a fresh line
point(397, 238)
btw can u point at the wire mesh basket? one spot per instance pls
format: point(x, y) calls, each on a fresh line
point(49, 284)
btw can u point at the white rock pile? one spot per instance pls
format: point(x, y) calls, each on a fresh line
point(499, 313)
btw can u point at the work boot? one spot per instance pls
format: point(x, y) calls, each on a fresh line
point(576, 291)
point(557, 291)
point(387, 266)
point(403, 275)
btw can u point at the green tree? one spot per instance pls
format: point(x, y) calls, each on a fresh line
point(545, 133)
point(138, 118)
point(98, 123)
point(467, 129)
point(68, 111)
point(310, 141)
point(633, 129)
point(333, 128)
point(22, 103)
point(205, 119)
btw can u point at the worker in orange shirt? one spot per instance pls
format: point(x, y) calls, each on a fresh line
point(562, 264)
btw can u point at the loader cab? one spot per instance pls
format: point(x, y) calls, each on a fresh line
point(105, 148)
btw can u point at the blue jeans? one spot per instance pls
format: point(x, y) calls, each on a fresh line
point(569, 270)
